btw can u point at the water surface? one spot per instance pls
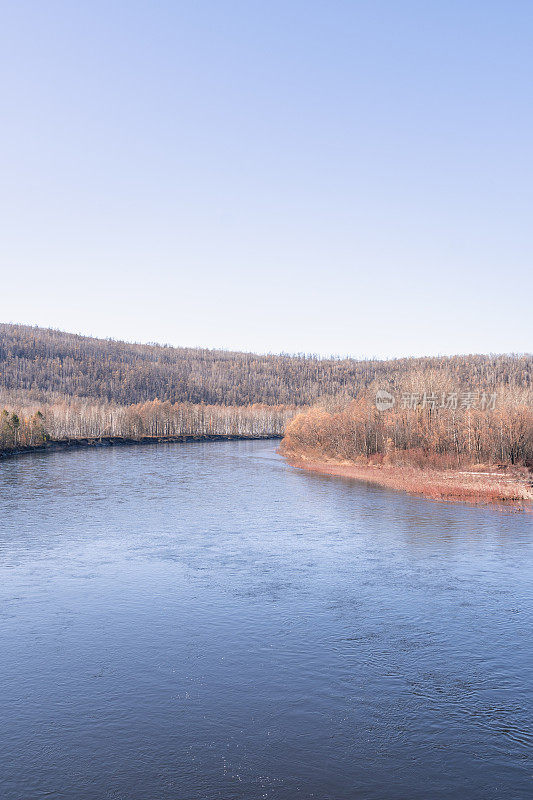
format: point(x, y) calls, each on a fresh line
point(204, 622)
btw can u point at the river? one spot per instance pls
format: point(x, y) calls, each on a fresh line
point(204, 622)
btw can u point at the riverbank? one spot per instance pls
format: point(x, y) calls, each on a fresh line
point(118, 441)
point(480, 487)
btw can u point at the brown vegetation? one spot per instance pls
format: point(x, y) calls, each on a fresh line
point(430, 449)
point(496, 487)
point(57, 386)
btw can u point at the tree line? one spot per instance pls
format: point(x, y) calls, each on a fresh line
point(436, 435)
point(27, 426)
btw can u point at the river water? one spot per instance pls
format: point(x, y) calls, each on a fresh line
point(205, 622)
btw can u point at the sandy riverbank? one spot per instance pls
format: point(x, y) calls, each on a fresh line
point(489, 486)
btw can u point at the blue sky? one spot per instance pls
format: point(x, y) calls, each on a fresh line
point(329, 177)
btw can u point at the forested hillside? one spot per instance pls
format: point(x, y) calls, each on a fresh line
point(57, 385)
point(47, 362)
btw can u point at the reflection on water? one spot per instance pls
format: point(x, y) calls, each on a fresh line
point(203, 621)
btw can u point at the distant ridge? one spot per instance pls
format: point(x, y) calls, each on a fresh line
point(45, 362)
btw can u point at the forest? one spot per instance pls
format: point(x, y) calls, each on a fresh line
point(47, 363)
point(26, 425)
point(473, 428)
point(57, 386)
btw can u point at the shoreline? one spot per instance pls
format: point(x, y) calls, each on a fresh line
point(485, 488)
point(58, 445)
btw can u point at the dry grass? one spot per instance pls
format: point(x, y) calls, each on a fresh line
point(491, 486)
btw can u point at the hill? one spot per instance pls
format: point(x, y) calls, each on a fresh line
point(45, 363)
point(57, 386)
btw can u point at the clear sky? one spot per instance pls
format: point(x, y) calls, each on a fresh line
point(332, 177)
